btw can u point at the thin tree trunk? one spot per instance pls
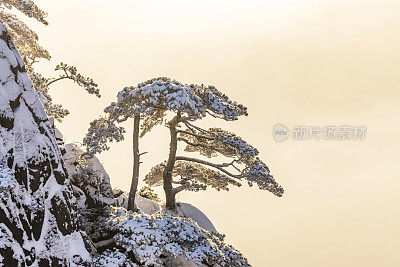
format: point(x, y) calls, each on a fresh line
point(136, 163)
point(167, 174)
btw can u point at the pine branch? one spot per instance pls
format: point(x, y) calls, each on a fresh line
point(195, 135)
point(196, 127)
point(219, 167)
point(214, 115)
point(57, 79)
point(198, 144)
point(178, 189)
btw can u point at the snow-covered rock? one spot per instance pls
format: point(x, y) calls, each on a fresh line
point(113, 258)
point(180, 261)
point(189, 211)
point(38, 217)
point(164, 240)
point(149, 206)
point(92, 180)
point(145, 205)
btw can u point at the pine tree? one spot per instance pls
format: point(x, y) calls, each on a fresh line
point(153, 100)
point(104, 130)
point(26, 41)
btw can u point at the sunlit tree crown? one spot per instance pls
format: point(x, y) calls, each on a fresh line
point(246, 163)
point(192, 177)
point(193, 101)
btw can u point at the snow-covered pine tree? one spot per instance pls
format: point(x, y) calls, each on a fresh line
point(153, 99)
point(38, 217)
point(104, 130)
point(26, 41)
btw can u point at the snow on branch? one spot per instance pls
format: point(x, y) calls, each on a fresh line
point(42, 86)
point(25, 39)
point(71, 72)
point(192, 101)
point(100, 132)
point(26, 42)
point(28, 7)
point(257, 172)
point(216, 141)
point(153, 98)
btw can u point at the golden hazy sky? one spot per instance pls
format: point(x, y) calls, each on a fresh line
point(291, 62)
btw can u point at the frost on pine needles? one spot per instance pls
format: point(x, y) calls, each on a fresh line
point(195, 101)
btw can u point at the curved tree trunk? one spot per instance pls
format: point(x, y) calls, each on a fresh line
point(136, 163)
point(167, 175)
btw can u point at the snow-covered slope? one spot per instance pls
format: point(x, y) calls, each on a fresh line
point(38, 217)
point(149, 206)
point(163, 240)
point(92, 180)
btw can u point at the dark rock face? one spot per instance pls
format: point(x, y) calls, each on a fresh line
point(38, 217)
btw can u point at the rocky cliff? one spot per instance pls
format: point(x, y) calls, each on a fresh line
point(38, 215)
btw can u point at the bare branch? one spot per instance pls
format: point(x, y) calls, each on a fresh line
point(57, 79)
point(196, 135)
point(178, 189)
point(198, 144)
point(125, 118)
point(219, 167)
point(196, 127)
point(236, 168)
point(190, 128)
point(214, 115)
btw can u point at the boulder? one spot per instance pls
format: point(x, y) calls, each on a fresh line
point(189, 211)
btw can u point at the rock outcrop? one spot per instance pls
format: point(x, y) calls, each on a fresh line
point(38, 215)
point(189, 211)
point(91, 182)
point(142, 204)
